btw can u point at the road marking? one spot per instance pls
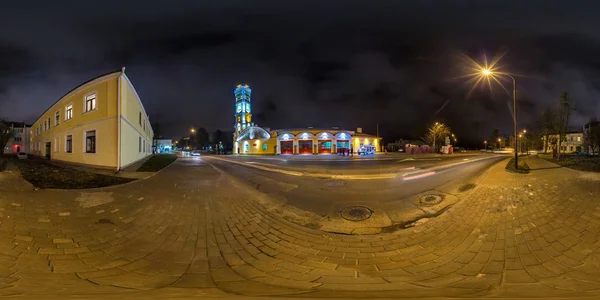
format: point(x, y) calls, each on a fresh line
point(409, 168)
point(423, 175)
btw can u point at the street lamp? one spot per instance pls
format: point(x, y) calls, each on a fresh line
point(488, 72)
point(485, 145)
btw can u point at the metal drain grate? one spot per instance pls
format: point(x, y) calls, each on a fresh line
point(356, 213)
point(430, 199)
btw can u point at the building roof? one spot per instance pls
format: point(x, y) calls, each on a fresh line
point(17, 124)
point(78, 87)
point(312, 129)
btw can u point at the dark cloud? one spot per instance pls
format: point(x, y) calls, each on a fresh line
point(350, 63)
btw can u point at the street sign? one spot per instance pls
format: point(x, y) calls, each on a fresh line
point(447, 140)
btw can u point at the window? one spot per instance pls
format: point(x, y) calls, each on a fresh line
point(579, 139)
point(90, 141)
point(571, 148)
point(90, 102)
point(57, 118)
point(69, 112)
point(17, 139)
point(571, 139)
point(44, 125)
point(144, 147)
point(140, 118)
point(48, 123)
point(139, 144)
point(69, 144)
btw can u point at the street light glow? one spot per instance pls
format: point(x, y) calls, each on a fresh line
point(486, 72)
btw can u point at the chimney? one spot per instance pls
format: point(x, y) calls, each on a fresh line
point(358, 130)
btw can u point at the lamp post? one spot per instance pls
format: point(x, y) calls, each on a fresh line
point(485, 145)
point(499, 143)
point(192, 135)
point(436, 124)
point(488, 72)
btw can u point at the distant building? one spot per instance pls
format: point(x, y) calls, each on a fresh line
point(251, 139)
point(572, 142)
point(101, 123)
point(163, 146)
point(20, 139)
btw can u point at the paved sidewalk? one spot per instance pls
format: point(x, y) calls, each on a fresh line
point(192, 231)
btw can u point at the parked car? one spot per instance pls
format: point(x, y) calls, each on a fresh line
point(22, 155)
point(195, 153)
point(366, 149)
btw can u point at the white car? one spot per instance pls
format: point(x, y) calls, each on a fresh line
point(22, 155)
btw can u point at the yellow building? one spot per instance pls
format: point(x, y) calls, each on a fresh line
point(101, 123)
point(572, 142)
point(257, 140)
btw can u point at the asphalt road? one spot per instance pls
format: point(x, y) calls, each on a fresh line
point(333, 164)
point(325, 195)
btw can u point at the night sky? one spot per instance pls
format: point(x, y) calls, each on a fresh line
point(309, 63)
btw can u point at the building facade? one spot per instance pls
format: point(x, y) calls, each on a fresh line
point(101, 123)
point(572, 142)
point(19, 142)
point(251, 139)
point(163, 146)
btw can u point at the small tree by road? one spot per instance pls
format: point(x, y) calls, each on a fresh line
point(547, 125)
point(562, 119)
point(6, 133)
point(593, 136)
point(436, 134)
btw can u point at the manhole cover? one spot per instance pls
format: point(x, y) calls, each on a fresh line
point(356, 213)
point(430, 199)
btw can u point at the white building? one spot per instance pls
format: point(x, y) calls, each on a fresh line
point(20, 140)
point(163, 146)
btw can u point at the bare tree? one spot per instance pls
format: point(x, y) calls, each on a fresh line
point(6, 133)
point(547, 125)
point(562, 119)
point(593, 136)
point(437, 132)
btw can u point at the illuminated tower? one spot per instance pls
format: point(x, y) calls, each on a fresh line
point(243, 115)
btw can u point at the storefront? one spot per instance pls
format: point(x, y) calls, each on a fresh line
point(305, 147)
point(309, 141)
point(287, 147)
point(324, 146)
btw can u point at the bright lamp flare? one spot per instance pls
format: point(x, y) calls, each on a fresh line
point(483, 74)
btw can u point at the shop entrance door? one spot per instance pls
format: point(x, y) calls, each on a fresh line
point(305, 147)
point(342, 145)
point(324, 146)
point(287, 147)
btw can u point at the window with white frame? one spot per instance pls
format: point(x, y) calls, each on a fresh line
point(139, 144)
point(44, 125)
point(69, 112)
point(90, 141)
point(90, 102)
point(69, 144)
point(48, 123)
point(57, 118)
point(140, 118)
